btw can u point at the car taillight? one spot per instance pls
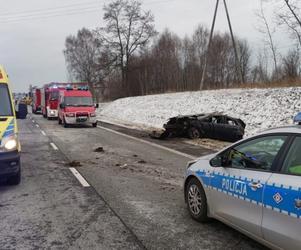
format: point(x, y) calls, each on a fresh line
point(70, 114)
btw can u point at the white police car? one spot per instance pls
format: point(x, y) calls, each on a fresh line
point(253, 186)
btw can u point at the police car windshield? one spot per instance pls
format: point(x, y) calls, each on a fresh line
point(5, 102)
point(78, 101)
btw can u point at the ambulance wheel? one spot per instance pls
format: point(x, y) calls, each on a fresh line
point(15, 180)
point(94, 125)
point(59, 121)
point(196, 200)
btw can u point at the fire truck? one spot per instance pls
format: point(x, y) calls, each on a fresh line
point(36, 100)
point(76, 107)
point(50, 97)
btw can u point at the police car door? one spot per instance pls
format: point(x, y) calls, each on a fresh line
point(282, 201)
point(237, 187)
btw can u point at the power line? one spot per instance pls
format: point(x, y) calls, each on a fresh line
point(65, 10)
point(50, 16)
point(48, 9)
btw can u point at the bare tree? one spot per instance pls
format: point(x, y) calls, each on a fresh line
point(291, 64)
point(82, 54)
point(268, 32)
point(259, 72)
point(287, 14)
point(128, 29)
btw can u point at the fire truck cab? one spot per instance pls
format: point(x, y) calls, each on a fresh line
point(49, 100)
point(76, 107)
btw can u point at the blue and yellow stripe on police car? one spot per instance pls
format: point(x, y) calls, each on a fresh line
point(238, 187)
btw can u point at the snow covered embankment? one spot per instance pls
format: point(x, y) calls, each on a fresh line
point(259, 108)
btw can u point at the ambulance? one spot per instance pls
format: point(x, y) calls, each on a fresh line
point(10, 166)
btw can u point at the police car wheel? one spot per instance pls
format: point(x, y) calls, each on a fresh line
point(196, 200)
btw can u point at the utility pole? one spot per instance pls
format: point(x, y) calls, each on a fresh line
point(208, 46)
point(237, 63)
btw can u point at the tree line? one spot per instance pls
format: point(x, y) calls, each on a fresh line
point(128, 57)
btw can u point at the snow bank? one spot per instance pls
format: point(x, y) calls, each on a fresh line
point(259, 108)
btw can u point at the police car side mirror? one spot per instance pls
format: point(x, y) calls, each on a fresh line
point(219, 161)
point(216, 161)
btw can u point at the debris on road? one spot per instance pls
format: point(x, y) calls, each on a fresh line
point(74, 164)
point(124, 166)
point(212, 144)
point(99, 150)
point(213, 125)
point(141, 161)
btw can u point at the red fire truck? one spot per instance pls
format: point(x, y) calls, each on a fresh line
point(76, 107)
point(36, 100)
point(50, 97)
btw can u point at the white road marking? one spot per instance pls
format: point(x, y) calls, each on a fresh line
point(54, 146)
point(43, 133)
point(32, 120)
point(79, 177)
point(150, 143)
point(37, 125)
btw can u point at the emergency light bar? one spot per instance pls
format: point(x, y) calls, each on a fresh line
point(297, 118)
point(69, 87)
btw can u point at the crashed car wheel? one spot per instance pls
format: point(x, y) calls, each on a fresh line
point(193, 133)
point(196, 200)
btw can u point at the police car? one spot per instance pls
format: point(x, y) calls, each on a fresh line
point(253, 185)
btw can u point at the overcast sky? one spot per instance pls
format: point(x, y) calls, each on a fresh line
point(33, 31)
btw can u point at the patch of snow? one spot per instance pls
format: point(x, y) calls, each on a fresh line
point(259, 108)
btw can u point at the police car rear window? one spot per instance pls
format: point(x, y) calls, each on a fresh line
point(5, 102)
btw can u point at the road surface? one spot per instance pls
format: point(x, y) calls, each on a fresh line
point(134, 201)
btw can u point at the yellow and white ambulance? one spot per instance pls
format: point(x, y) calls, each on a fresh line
point(10, 166)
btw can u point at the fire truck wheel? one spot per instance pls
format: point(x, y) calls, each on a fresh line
point(66, 125)
point(94, 125)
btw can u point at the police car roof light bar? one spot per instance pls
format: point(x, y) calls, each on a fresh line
point(297, 118)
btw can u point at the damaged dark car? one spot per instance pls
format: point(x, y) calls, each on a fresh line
point(214, 126)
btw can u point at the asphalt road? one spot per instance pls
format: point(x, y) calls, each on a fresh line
point(135, 199)
point(51, 210)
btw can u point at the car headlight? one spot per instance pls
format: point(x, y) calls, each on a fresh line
point(9, 143)
point(70, 115)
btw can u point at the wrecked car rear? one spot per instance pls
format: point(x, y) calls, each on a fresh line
point(214, 125)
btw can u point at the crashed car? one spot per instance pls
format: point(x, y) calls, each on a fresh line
point(214, 125)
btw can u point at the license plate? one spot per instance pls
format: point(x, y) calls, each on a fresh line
point(81, 119)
